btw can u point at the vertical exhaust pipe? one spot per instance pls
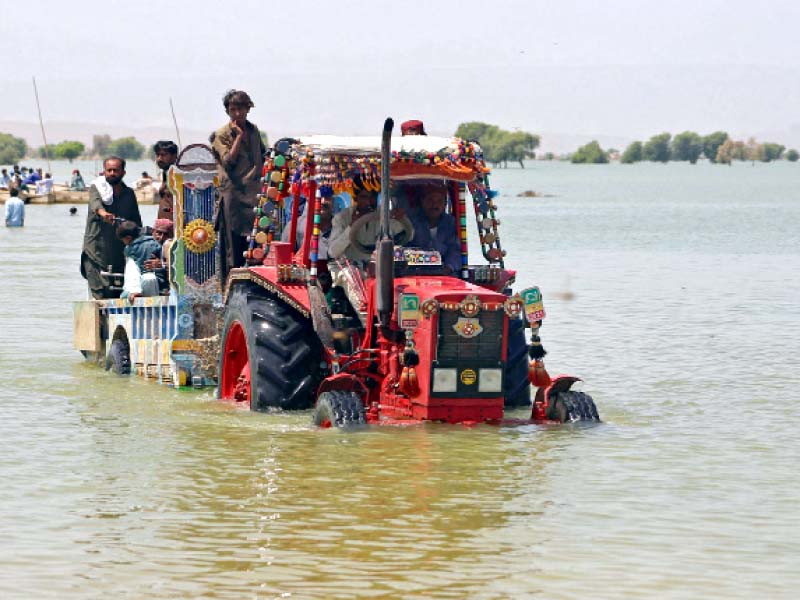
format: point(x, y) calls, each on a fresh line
point(384, 259)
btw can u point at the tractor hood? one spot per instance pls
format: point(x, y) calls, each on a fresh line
point(436, 292)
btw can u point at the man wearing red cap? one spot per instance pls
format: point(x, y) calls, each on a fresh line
point(413, 127)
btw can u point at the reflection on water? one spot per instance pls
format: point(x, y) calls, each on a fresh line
point(682, 322)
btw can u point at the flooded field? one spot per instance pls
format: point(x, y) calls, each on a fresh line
point(672, 289)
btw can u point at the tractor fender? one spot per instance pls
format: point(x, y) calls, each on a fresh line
point(343, 382)
point(560, 383)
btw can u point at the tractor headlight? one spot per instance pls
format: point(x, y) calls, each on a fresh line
point(444, 380)
point(490, 380)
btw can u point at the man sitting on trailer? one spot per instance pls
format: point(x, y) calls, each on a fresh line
point(138, 249)
point(163, 232)
point(435, 229)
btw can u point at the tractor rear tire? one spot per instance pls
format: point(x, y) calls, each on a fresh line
point(571, 406)
point(517, 386)
point(119, 357)
point(339, 408)
point(282, 350)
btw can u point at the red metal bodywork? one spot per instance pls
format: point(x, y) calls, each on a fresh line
point(373, 371)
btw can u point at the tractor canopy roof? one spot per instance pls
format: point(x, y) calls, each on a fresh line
point(340, 158)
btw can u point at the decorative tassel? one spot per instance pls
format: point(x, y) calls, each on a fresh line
point(538, 375)
point(410, 357)
point(409, 384)
point(536, 351)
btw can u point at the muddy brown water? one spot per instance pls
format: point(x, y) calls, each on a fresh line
point(673, 290)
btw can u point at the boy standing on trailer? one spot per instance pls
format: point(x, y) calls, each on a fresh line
point(239, 152)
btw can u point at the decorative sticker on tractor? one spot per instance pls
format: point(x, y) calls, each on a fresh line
point(429, 308)
point(470, 306)
point(468, 376)
point(415, 257)
point(467, 327)
point(532, 301)
point(409, 311)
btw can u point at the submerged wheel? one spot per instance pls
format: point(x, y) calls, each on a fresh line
point(571, 406)
point(270, 354)
point(339, 408)
point(517, 386)
point(119, 357)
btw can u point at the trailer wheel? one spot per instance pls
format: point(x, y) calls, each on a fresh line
point(517, 386)
point(119, 357)
point(339, 408)
point(270, 355)
point(571, 406)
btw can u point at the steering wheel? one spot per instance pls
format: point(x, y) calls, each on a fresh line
point(403, 227)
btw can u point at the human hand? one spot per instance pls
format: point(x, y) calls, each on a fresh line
point(237, 128)
point(106, 216)
point(132, 297)
point(151, 264)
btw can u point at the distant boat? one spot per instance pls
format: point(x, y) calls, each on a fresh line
point(61, 194)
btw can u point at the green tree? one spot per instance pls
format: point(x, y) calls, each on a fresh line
point(632, 154)
point(771, 151)
point(517, 146)
point(475, 130)
point(687, 146)
point(590, 153)
point(12, 149)
point(711, 144)
point(100, 144)
point(264, 139)
point(792, 155)
point(128, 148)
point(68, 149)
point(46, 151)
point(500, 146)
point(657, 148)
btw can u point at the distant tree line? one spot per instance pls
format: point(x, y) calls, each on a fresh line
point(128, 148)
point(14, 149)
point(717, 147)
point(500, 146)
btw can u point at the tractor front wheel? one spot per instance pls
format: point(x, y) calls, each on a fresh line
point(339, 408)
point(570, 406)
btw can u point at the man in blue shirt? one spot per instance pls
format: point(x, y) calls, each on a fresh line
point(434, 229)
point(33, 177)
point(15, 209)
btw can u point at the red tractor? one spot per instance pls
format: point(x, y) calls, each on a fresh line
point(401, 338)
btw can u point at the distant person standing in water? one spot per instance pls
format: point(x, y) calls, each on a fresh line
point(239, 152)
point(109, 201)
point(166, 152)
point(15, 209)
point(77, 184)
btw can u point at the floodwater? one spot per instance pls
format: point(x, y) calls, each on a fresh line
point(672, 289)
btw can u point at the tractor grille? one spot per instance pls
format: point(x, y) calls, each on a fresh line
point(485, 348)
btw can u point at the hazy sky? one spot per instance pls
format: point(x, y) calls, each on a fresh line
point(622, 68)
